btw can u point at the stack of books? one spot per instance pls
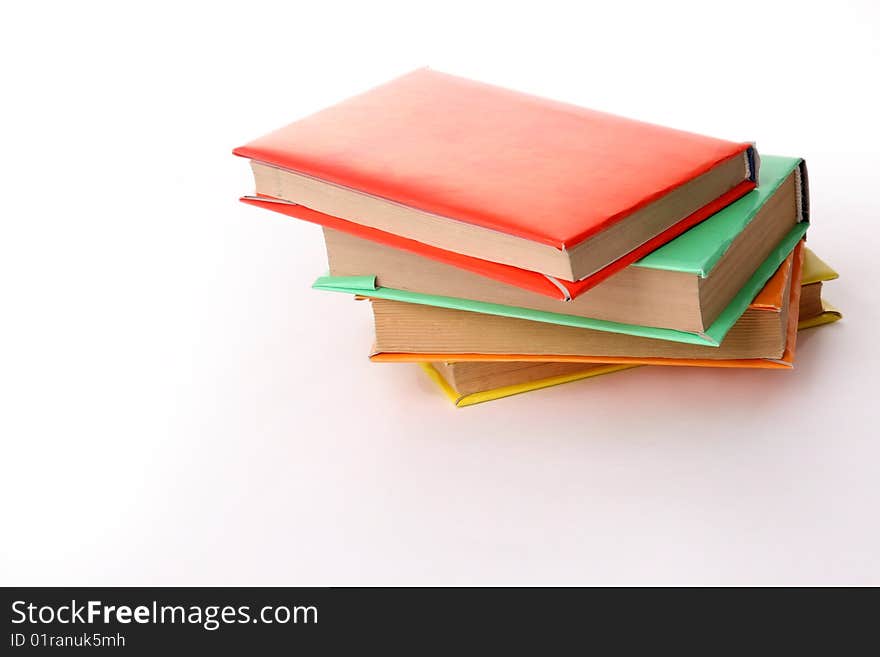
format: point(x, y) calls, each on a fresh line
point(508, 242)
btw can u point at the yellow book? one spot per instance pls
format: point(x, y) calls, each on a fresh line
point(472, 398)
point(482, 380)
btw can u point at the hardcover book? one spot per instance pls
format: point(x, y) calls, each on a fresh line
point(498, 175)
point(684, 285)
point(366, 286)
point(816, 271)
point(533, 376)
point(763, 337)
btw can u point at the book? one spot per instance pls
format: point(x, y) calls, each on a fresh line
point(475, 393)
point(812, 304)
point(366, 286)
point(816, 311)
point(503, 176)
point(684, 285)
point(811, 299)
point(466, 383)
point(764, 334)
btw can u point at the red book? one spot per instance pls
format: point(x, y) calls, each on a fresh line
point(493, 175)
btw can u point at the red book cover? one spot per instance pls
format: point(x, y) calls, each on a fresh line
point(534, 168)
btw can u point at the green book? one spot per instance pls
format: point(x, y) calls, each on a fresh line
point(691, 290)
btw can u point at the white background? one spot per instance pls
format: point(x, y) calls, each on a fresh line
point(177, 406)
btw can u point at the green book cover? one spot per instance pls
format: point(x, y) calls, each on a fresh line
point(699, 249)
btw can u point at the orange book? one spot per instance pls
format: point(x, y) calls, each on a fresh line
point(772, 299)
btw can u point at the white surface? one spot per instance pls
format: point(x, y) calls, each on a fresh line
point(178, 407)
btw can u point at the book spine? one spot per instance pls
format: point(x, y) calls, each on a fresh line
point(754, 161)
point(804, 191)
